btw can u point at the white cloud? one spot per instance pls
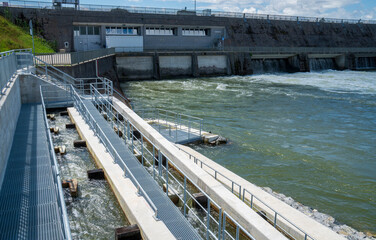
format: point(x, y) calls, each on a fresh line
point(309, 8)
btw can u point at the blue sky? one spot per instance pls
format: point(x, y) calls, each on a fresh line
point(357, 9)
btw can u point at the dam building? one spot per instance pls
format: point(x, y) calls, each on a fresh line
point(126, 37)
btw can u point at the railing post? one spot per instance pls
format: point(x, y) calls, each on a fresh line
point(153, 161)
point(275, 219)
point(142, 150)
point(208, 220)
point(219, 223)
point(224, 226)
point(185, 195)
point(167, 176)
point(132, 140)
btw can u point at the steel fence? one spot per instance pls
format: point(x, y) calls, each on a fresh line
point(56, 177)
point(203, 13)
point(275, 218)
point(167, 172)
point(10, 62)
point(74, 58)
point(175, 122)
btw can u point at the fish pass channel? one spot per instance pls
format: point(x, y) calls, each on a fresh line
point(310, 136)
point(95, 213)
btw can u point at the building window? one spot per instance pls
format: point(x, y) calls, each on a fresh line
point(76, 31)
point(160, 31)
point(122, 30)
point(85, 30)
point(195, 32)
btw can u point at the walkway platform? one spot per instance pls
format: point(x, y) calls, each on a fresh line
point(180, 135)
point(28, 203)
point(171, 216)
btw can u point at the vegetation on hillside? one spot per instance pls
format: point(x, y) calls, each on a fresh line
point(14, 37)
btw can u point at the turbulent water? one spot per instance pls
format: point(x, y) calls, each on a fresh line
point(95, 213)
point(311, 136)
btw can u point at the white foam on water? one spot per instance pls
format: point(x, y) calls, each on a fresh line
point(330, 80)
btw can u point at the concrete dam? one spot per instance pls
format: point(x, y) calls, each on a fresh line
point(160, 187)
point(155, 44)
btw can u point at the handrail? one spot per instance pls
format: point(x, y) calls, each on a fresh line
point(56, 175)
point(130, 135)
point(216, 173)
point(107, 144)
point(192, 125)
point(10, 62)
point(243, 198)
point(74, 58)
point(202, 13)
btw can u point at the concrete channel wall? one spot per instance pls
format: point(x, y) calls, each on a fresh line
point(135, 207)
point(10, 106)
point(305, 223)
point(246, 217)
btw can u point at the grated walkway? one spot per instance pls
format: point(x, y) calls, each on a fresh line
point(28, 204)
point(179, 136)
point(167, 211)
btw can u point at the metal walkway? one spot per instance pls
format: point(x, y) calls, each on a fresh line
point(167, 211)
point(28, 203)
point(175, 135)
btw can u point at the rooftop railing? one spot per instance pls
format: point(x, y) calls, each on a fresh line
point(205, 12)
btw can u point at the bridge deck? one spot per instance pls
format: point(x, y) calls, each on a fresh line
point(28, 204)
point(167, 211)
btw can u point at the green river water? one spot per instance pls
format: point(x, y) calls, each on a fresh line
point(311, 136)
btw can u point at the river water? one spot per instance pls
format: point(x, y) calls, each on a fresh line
point(311, 136)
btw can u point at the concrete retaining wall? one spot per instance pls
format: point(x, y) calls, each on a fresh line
point(212, 64)
point(139, 66)
point(171, 66)
point(10, 106)
point(30, 89)
point(135, 67)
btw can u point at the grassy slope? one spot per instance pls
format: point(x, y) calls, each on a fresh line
point(14, 37)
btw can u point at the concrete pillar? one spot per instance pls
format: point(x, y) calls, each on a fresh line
point(195, 70)
point(303, 63)
point(229, 72)
point(341, 62)
point(156, 68)
point(351, 61)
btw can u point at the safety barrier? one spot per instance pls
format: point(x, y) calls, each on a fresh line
point(204, 13)
point(56, 176)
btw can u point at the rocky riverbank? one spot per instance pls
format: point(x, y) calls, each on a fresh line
point(329, 221)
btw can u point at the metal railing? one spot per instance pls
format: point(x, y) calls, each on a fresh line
point(49, 73)
point(242, 193)
point(74, 58)
point(174, 122)
point(175, 180)
point(80, 106)
point(56, 177)
point(298, 50)
point(10, 62)
point(204, 13)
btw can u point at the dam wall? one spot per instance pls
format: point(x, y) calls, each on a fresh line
point(140, 66)
point(58, 25)
point(10, 106)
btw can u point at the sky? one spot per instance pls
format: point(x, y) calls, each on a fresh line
point(353, 9)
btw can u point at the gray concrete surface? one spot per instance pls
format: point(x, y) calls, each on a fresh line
point(10, 106)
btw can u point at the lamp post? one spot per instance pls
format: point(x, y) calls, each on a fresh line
point(32, 34)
